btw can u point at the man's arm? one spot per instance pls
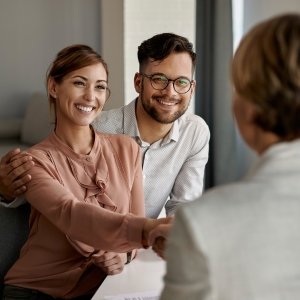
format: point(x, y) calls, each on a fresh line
point(13, 177)
point(188, 185)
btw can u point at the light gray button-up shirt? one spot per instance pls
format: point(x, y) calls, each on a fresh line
point(173, 167)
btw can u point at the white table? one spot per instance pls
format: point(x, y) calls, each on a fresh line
point(144, 274)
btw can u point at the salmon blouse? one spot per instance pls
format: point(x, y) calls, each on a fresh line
point(82, 205)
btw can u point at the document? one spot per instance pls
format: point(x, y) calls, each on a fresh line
point(135, 296)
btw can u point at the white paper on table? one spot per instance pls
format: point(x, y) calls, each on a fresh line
point(153, 295)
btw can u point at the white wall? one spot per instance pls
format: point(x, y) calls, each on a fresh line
point(127, 23)
point(143, 19)
point(257, 10)
point(32, 32)
point(112, 48)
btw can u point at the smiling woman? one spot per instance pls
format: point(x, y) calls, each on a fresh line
point(85, 189)
point(77, 84)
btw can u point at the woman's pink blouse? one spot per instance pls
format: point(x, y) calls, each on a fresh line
point(80, 206)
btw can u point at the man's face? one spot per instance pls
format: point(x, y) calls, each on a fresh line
point(167, 105)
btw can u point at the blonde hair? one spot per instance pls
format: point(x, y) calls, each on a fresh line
point(266, 71)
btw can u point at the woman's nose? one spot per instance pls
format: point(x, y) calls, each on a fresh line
point(89, 94)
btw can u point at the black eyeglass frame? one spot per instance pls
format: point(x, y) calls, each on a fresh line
point(150, 76)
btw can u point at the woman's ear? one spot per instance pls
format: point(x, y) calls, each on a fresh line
point(52, 87)
point(138, 78)
point(243, 109)
point(251, 112)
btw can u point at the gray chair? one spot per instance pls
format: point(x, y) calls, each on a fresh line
point(14, 229)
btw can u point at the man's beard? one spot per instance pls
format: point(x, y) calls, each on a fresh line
point(159, 117)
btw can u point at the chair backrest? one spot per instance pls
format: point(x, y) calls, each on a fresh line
point(14, 229)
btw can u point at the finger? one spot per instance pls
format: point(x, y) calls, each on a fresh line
point(9, 155)
point(115, 266)
point(159, 249)
point(167, 220)
point(103, 257)
point(13, 174)
point(115, 271)
point(16, 172)
point(110, 262)
point(117, 259)
point(20, 191)
point(17, 178)
point(159, 253)
point(160, 242)
point(19, 186)
point(159, 246)
point(109, 255)
point(20, 164)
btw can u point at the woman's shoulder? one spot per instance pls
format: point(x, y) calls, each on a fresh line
point(41, 150)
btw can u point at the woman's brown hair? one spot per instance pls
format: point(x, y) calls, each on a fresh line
point(266, 71)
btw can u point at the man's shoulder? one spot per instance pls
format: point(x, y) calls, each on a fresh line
point(110, 121)
point(112, 112)
point(194, 125)
point(107, 115)
point(192, 120)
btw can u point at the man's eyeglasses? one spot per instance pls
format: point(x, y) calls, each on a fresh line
point(160, 81)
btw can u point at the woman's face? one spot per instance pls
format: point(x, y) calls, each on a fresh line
point(81, 95)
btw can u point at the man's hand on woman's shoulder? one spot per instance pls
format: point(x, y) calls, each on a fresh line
point(14, 166)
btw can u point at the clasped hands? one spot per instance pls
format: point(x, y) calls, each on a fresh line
point(156, 233)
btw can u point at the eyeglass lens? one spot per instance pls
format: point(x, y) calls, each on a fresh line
point(159, 82)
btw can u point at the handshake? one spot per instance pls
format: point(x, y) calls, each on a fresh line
point(155, 234)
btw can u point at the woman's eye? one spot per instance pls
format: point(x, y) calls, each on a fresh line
point(79, 83)
point(101, 87)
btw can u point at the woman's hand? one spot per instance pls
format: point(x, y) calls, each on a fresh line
point(110, 262)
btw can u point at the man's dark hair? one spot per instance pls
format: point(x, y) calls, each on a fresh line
point(162, 45)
